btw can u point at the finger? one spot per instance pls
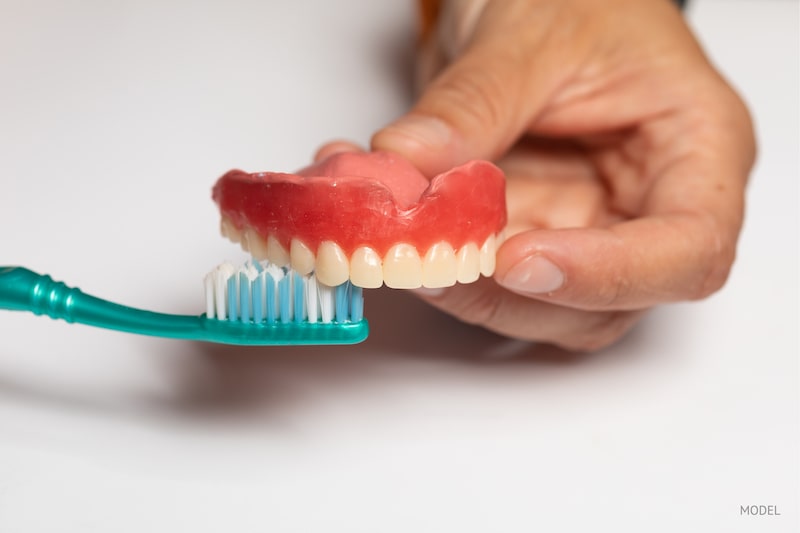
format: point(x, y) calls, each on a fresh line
point(480, 104)
point(552, 185)
point(335, 147)
point(486, 304)
point(631, 265)
point(682, 247)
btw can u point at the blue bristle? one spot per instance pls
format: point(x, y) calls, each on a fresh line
point(232, 298)
point(271, 314)
point(258, 298)
point(244, 297)
point(356, 303)
point(342, 302)
point(299, 297)
point(285, 299)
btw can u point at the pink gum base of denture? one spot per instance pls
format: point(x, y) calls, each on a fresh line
point(463, 205)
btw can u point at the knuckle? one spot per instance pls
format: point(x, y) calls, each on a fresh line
point(715, 277)
point(476, 96)
point(716, 264)
point(610, 294)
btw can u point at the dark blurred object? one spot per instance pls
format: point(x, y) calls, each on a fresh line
point(428, 11)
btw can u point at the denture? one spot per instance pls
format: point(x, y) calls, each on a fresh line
point(372, 218)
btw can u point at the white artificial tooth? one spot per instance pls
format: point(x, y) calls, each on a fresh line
point(229, 230)
point(302, 258)
point(402, 267)
point(488, 252)
point(255, 244)
point(469, 263)
point(439, 268)
point(332, 264)
point(365, 268)
point(276, 253)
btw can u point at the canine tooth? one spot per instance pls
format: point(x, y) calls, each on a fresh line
point(469, 263)
point(253, 242)
point(229, 230)
point(302, 257)
point(276, 253)
point(332, 265)
point(365, 268)
point(488, 251)
point(402, 267)
point(439, 268)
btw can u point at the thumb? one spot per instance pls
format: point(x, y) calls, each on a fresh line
point(482, 102)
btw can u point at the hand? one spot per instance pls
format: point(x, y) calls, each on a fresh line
point(626, 155)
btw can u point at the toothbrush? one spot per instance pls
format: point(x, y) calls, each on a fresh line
point(256, 304)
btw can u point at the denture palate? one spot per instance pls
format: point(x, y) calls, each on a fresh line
point(371, 218)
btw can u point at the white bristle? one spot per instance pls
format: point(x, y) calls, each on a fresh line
point(221, 275)
point(327, 302)
point(312, 299)
point(209, 286)
point(276, 272)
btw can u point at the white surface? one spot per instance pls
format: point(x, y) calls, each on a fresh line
point(116, 118)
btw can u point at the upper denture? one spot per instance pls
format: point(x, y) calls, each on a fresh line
point(365, 204)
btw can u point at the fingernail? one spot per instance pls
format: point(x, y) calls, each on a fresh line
point(535, 275)
point(428, 131)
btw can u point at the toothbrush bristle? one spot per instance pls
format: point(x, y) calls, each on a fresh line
point(260, 292)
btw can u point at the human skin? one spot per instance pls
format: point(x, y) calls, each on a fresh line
point(626, 155)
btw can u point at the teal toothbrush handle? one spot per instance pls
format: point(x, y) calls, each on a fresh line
point(24, 290)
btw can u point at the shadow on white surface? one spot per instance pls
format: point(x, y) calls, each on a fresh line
point(410, 345)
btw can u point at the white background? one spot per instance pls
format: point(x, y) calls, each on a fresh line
point(115, 120)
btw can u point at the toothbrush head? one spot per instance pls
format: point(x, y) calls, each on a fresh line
point(259, 298)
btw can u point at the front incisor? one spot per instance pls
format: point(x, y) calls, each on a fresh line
point(439, 268)
point(332, 265)
point(402, 267)
point(366, 269)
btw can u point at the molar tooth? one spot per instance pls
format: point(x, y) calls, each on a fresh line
point(402, 267)
point(488, 251)
point(332, 265)
point(229, 230)
point(276, 253)
point(439, 268)
point(255, 243)
point(365, 268)
point(469, 263)
point(302, 257)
